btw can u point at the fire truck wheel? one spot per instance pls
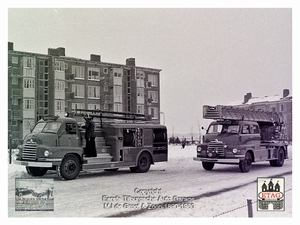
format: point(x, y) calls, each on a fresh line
point(245, 165)
point(143, 163)
point(208, 165)
point(280, 159)
point(69, 168)
point(36, 171)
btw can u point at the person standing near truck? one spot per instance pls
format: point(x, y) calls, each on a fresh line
point(90, 150)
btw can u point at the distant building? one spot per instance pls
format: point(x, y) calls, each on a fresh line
point(277, 103)
point(41, 85)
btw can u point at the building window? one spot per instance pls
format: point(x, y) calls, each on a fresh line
point(140, 79)
point(153, 111)
point(59, 105)
point(77, 106)
point(105, 87)
point(59, 66)
point(59, 85)
point(105, 106)
point(29, 104)
point(15, 101)
point(282, 108)
point(15, 60)
point(78, 72)
point(28, 124)
point(78, 90)
point(94, 92)
point(15, 81)
point(93, 73)
point(94, 106)
point(140, 109)
point(29, 83)
point(152, 80)
point(118, 107)
point(140, 92)
point(118, 94)
point(153, 96)
point(28, 62)
point(105, 70)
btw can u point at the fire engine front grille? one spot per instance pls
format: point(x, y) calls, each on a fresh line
point(29, 152)
point(217, 146)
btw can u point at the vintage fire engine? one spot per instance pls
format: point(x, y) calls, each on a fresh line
point(122, 140)
point(241, 136)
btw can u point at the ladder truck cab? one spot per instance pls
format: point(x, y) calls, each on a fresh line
point(122, 140)
point(241, 136)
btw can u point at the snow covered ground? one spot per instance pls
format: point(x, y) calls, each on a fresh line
point(179, 176)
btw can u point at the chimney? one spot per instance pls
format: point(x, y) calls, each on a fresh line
point(56, 51)
point(247, 97)
point(130, 62)
point(95, 58)
point(286, 92)
point(10, 46)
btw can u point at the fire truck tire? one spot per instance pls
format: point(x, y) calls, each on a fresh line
point(280, 159)
point(245, 165)
point(143, 163)
point(69, 168)
point(36, 171)
point(208, 165)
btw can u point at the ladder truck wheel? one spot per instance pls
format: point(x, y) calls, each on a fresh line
point(245, 165)
point(143, 163)
point(69, 168)
point(36, 171)
point(208, 165)
point(280, 159)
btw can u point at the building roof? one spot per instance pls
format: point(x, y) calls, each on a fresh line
point(264, 99)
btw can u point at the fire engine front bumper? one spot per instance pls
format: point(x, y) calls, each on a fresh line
point(214, 160)
point(37, 164)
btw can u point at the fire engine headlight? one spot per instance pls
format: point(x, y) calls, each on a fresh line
point(46, 153)
point(199, 149)
point(234, 150)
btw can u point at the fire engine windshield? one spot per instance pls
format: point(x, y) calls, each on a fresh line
point(223, 128)
point(51, 127)
point(38, 127)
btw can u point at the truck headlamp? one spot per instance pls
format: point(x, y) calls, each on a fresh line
point(199, 149)
point(234, 150)
point(46, 153)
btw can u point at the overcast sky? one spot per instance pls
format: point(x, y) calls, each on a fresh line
point(207, 56)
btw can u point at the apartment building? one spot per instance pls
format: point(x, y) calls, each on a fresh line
point(53, 84)
point(276, 103)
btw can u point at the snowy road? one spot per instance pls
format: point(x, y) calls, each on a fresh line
point(177, 188)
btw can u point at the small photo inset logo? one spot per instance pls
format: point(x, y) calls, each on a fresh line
point(270, 194)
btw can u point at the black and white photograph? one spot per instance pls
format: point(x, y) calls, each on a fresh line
point(150, 111)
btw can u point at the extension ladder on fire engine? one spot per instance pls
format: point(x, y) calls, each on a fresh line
point(222, 112)
point(109, 115)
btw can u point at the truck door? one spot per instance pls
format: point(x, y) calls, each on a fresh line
point(69, 135)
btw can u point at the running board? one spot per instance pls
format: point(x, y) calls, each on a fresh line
point(103, 165)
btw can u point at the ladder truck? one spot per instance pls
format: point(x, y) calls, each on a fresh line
point(122, 140)
point(241, 136)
